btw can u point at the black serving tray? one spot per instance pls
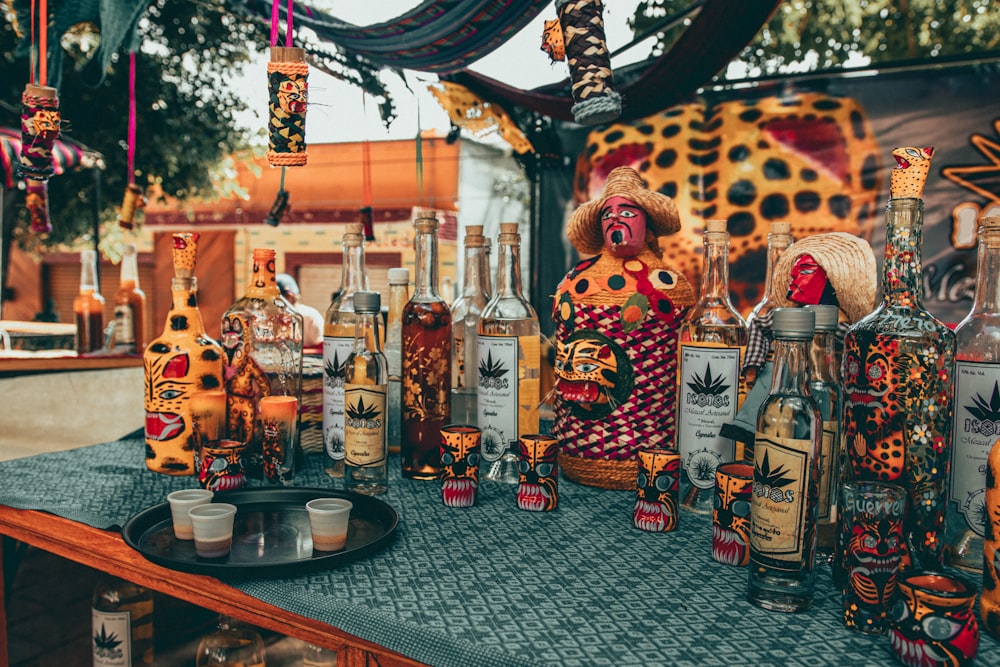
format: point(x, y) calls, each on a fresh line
point(271, 534)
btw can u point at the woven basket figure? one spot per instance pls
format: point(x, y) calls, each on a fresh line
point(616, 329)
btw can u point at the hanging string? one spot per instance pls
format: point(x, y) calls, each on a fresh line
point(133, 199)
point(420, 158)
point(366, 176)
point(288, 91)
point(43, 42)
point(275, 21)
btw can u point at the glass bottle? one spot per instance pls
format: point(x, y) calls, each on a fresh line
point(179, 362)
point(338, 342)
point(399, 294)
point(231, 643)
point(824, 386)
point(88, 307)
point(713, 340)
point(778, 240)
point(786, 475)
point(465, 314)
point(262, 342)
point(509, 368)
point(365, 397)
point(122, 624)
point(896, 375)
point(426, 361)
point(130, 306)
point(977, 406)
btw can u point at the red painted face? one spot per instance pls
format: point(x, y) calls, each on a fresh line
point(623, 224)
point(808, 281)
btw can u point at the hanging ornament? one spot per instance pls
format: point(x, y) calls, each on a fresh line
point(589, 63)
point(469, 112)
point(134, 200)
point(552, 40)
point(36, 200)
point(40, 120)
point(287, 74)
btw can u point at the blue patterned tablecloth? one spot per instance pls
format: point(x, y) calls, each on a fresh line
point(493, 585)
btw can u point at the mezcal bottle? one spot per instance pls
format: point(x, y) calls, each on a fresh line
point(786, 475)
point(778, 240)
point(122, 624)
point(713, 339)
point(130, 306)
point(365, 401)
point(465, 314)
point(338, 342)
point(88, 307)
point(977, 406)
point(509, 375)
point(399, 294)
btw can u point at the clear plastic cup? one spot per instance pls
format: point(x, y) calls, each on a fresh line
point(213, 528)
point(180, 503)
point(329, 519)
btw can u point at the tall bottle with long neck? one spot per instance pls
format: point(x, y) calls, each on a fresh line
point(465, 314)
point(399, 294)
point(713, 340)
point(130, 306)
point(977, 406)
point(778, 240)
point(365, 402)
point(338, 342)
point(509, 366)
point(88, 306)
point(179, 362)
point(897, 377)
point(786, 476)
point(262, 341)
point(426, 361)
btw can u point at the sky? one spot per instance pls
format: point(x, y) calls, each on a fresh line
point(338, 111)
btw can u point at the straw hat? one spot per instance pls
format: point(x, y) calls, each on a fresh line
point(849, 262)
point(584, 230)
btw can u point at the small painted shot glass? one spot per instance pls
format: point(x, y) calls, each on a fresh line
point(657, 489)
point(538, 473)
point(932, 622)
point(279, 422)
point(460, 451)
point(731, 513)
point(221, 465)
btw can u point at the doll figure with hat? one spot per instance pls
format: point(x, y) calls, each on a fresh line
point(616, 314)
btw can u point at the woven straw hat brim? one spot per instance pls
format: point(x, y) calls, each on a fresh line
point(584, 230)
point(849, 262)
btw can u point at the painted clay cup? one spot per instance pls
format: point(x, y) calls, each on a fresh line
point(657, 488)
point(932, 622)
point(460, 454)
point(538, 473)
point(731, 513)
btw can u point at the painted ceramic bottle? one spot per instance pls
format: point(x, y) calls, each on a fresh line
point(338, 341)
point(465, 313)
point(130, 306)
point(977, 406)
point(366, 450)
point(508, 372)
point(177, 363)
point(262, 343)
point(786, 477)
point(88, 307)
point(989, 600)
point(399, 294)
point(426, 362)
point(712, 344)
point(896, 374)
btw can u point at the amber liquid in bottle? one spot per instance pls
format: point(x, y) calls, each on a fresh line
point(88, 307)
point(130, 307)
point(427, 341)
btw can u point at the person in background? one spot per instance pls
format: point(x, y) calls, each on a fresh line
point(312, 319)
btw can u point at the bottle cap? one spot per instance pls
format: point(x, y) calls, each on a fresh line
point(827, 317)
point(426, 224)
point(474, 237)
point(508, 233)
point(781, 228)
point(793, 323)
point(367, 302)
point(715, 225)
point(399, 276)
point(508, 227)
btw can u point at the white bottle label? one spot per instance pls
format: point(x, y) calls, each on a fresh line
point(364, 424)
point(111, 638)
point(976, 427)
point(779, 502)
point(336, 349)
point(496, 379)
point(124, 324)
point(708, 397)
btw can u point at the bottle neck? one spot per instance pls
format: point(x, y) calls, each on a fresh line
point(88, 273)
point(777, 244)
point(822, 357)
point(791, 366)
point(353, 276)
point(901, 271)
point(476, 279)
point(130, 270)
point(184, 292)
point(426, 278)
point(366, 332)
point(509, 270)
point(263, 282)
point(987, 299)
point(715, 277)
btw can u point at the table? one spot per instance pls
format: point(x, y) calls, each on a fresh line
point(488, 585)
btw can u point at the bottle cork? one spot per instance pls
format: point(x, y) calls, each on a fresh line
point(508, 227)
point(781, 228)
point(715, 225)
point(474, 237)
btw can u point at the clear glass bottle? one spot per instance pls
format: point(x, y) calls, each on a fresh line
point(426, 361)
point(231, 643)
point(262, 342)
point(399, 294)
point(896, 375)
point(977, 406)
point(122, 624)
point(180, 361)
point(785, 497)
point(713, 340)
point(338, 342)
point(509, 367)
point(130, 306)
point(88, 307)
point(465, 314)
point(366, 379)
point(824, 385)
point(778, 240)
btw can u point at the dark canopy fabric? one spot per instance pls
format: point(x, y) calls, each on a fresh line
point(716, 35)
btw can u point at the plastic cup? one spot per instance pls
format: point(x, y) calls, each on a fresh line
point(328, 519)
point(180, 503)
point(213, 528)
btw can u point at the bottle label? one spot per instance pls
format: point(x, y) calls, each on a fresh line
point(458, 354)
point(336, 349)
point(779, 504)
point(976, 427)
point(364, 424)
point(111, 638)
point(827, 505)
point(708, 397)
point(124, 324)
point(497, 400)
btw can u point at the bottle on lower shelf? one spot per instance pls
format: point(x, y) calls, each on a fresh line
point(122, 622)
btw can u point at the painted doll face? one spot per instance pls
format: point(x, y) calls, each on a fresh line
point(731, 514)
point(656, 505)
point(538, 472)
point(292, 96)
point(623, 225)
point(809, 281)
point(460, 450)
point(932, 621)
